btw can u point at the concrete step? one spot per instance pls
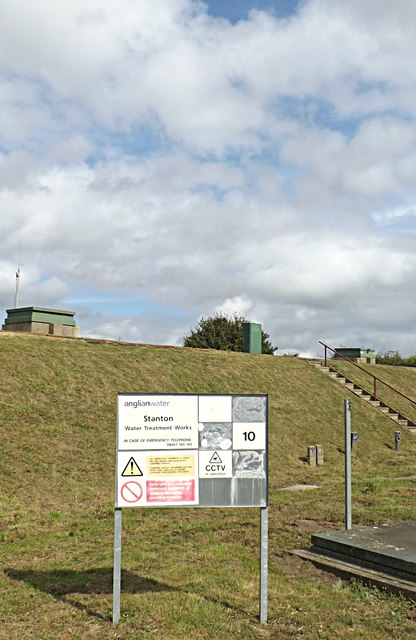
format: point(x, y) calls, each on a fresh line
point(375, 403)
point(377, 546)
point(348, 570)
point(385, 554)
point(366, 396)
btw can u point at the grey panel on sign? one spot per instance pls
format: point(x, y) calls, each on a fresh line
point(215, 492)
point(249, 464)
point(248, 492)
point(215, 435)
point(249, 409)
point(233, 492)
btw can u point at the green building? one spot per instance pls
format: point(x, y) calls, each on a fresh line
point(356, 354)
point(40, 321)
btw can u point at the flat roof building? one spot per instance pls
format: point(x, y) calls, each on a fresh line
point(356, 354)
point(41, 321)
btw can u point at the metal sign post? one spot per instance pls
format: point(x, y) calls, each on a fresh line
point(264, 558)
point(347, 422)
point(181, 450)
point(397, 436)
point(117, 566)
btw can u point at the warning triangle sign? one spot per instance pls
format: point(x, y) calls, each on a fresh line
point(132, 469)
point(215, 458)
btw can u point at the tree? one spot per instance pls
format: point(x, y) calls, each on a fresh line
point(224, 333)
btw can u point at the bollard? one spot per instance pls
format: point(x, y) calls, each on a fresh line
point(319, 455)
point(311, 456)
point(397, 436)
point(354, 440)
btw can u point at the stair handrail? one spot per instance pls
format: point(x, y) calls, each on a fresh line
point(375, 378)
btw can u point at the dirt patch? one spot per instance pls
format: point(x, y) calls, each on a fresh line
point(310, 526)
point(298, 567)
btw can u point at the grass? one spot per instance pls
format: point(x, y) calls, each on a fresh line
point(187, 573)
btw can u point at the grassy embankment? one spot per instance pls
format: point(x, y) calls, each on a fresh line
point(187, 573)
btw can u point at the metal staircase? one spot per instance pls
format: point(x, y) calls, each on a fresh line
point(370, 397)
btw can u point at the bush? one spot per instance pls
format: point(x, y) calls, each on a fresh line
point(223, 333)
point(394, 358)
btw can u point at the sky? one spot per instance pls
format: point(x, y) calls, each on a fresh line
point(163, 161)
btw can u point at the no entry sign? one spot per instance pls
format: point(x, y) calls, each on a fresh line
point(131, 492)
point(191, 450)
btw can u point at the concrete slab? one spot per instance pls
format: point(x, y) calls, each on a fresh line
point(300, 487)
point(391, 549)
point(383, 555)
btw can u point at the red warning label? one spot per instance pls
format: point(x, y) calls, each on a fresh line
point(131, 491)
point(170, 490)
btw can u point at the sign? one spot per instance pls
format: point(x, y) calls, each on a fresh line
point(131, 492)
point(191, 450)
point(132, 469)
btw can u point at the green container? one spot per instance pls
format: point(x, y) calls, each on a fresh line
point(251, 337)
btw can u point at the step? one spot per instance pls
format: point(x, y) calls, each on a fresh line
point(348, 570)
point(359, 391)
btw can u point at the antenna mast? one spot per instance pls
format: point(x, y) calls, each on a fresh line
point(16, 295)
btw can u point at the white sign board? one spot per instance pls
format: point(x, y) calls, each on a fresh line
point(191, 450)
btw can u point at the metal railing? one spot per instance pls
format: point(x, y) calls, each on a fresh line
point(375, 378)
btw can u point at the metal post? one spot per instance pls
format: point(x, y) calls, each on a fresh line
point(375, 389)
point(326, 359)
point(347, 420)
point(397, 436)
point(16, 295)
point(264, 543)
point(117, 566)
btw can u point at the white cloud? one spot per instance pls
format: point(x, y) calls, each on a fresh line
point(239, 304)
point(253, 167)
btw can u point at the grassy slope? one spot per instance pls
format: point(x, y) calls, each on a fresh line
point(187, 573)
